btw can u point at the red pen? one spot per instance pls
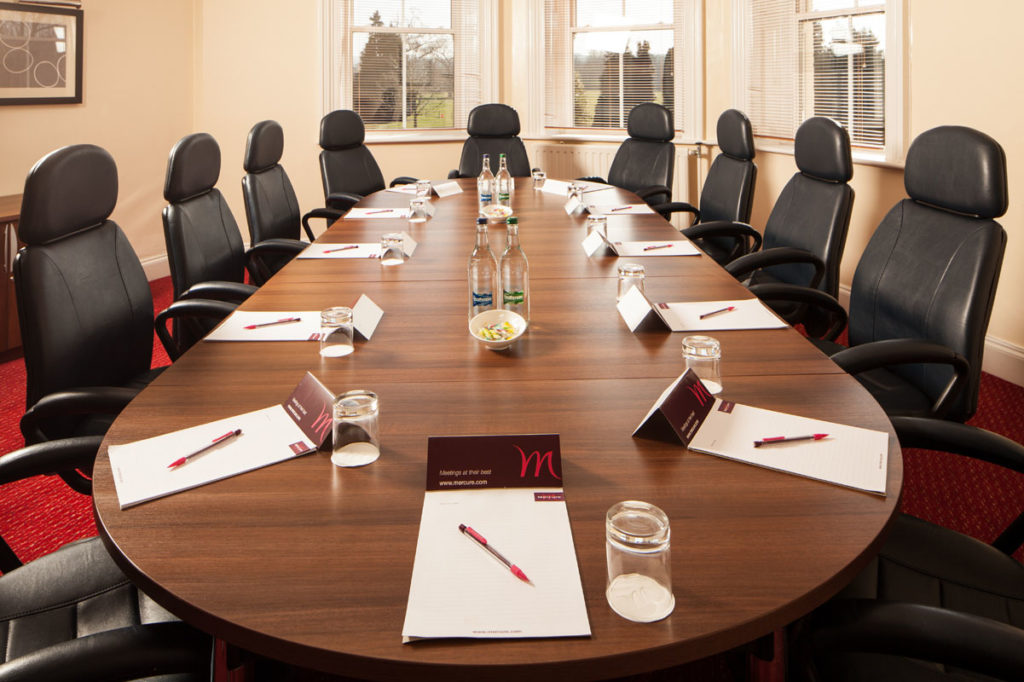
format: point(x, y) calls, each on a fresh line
point(788, 439)
point(383, 210)
point(482, 541)
point(283, 320)
point(659, 246)
point(622, 208)
point(215, 442)
point(716, 312)
point(342, 248)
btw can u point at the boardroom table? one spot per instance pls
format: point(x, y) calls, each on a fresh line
point(311, 564)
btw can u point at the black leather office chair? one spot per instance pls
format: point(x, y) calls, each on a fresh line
point(728, 193)
point(935, 604)
point(645, 162)
point(493, 129)
point(805, 234)
point(922, 293)
point(347, 168)
point(84, 305)
point(72, 614)
point(271, 208)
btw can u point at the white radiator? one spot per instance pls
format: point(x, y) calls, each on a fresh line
point(569, 161)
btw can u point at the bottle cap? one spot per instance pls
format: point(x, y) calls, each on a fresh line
point(481, 221)
point(512, 220)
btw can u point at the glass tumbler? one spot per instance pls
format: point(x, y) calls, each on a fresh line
point(539, 177)
point(639, 565)
point(630, 275)
point(576, 190)
point(356, 432)
point(336, 332)
point(392, 249)
point(703, 354)
point(597, 223)
point(424, 188)
point(419, 210)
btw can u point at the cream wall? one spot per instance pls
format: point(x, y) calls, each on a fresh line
point(137, 99)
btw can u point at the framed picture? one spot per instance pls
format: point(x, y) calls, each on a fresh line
point(40, 54)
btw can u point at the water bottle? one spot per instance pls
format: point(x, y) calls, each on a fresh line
point(503, 182)
point(485, 184)
point(483, 273)
point(515, 274)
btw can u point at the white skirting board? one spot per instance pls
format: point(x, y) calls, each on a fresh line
point(1002, 358)
point(156, 267)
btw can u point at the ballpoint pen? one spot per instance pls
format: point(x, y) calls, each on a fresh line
point(215, 442)
point(622, 208)
point(716, 312)
point(383, 210)
point(342, 248)
point(283, 320)
point(482, 541)
point(788, 439)
point(659, 246)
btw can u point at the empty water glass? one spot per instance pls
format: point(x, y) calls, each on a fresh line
point(392, 250)
point(336, 332)
point(703, 354)
point(630, 275)
point(599, 223)
point(424, 188)
point(419, 210)
point(356, 433)
point(539, 177)
point(639, 564)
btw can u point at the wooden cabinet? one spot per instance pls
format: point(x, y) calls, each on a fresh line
point(10, 209)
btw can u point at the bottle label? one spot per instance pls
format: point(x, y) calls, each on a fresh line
point(483, 299)
point(503, 197)
point(514, 297)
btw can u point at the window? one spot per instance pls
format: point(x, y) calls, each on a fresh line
point(407, 64)
point(603, 57)
point(830, 58)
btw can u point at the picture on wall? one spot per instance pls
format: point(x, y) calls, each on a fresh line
point(40, 54)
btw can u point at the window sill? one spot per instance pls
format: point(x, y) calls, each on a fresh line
point(860, 157)
point(415, 136)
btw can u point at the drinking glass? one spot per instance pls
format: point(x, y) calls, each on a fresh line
point(336, 332)
point(356, 432)
point(639, 565)
point(597, 222)
point(576, 190)
point(392, 249)
point(419, 210)
point(539, 177)
point(424, 188)
point(703, 354)
point(630, 275)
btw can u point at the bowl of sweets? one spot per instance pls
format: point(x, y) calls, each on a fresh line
point(497, 329)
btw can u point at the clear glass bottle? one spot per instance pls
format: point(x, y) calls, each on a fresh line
point(515, 274)
point(503, 182)
point(485, 184)
point(483, 273)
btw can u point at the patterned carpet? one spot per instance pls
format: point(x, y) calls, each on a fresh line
point(976, 498)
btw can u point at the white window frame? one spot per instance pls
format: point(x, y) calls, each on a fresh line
point(688, 25)
point(894, 150)
point(337, 69)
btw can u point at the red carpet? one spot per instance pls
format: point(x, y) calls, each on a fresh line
point(41, 514)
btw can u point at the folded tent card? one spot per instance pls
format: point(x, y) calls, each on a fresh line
point(355, 250)
point(836, 453)
point(495, 555)
point(159, 466)
point(635, 307)
point(443, 189)
point(303, 325)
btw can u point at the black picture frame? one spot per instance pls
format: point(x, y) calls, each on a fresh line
point(40, 54)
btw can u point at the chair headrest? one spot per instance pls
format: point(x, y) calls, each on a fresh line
point(958, 168)
point(735, 135)
point(192, 168)
point(341, 129)
point(650, 121)
point(263, 147)
point(822, 150)
point(493, 120)
point(68, 190)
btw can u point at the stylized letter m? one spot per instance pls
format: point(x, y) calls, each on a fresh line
point(546, 457)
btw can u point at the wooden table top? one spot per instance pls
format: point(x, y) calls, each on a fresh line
point(311, 564)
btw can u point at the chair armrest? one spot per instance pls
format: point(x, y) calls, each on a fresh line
point(815, 297)
point(122, 654)
point(967, 441)
point(330, 214)
point(594, 178)
point(343, 201)
point(50, 457)
point(923, 632)
point(454, 174)
point(878, 354)
point(780, 255)
point(668, 208)
point(193, 307)
point(270, 250)
point(647, 193)
point(85, 400)
point(403, 180)
point(233, 292)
